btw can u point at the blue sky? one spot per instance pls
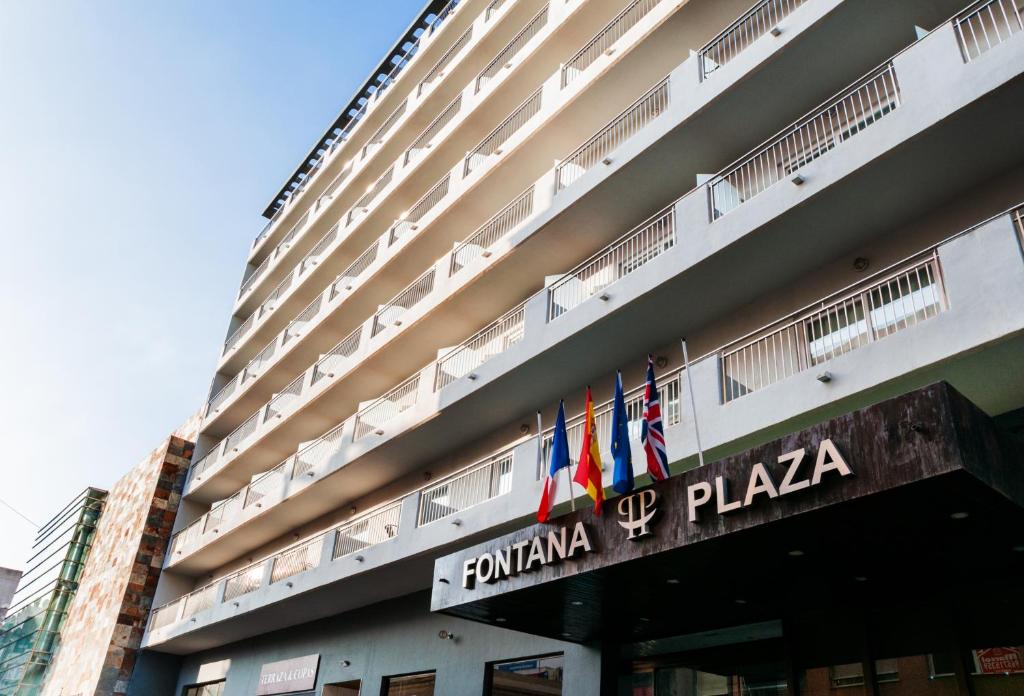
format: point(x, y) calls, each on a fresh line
point(139, 142)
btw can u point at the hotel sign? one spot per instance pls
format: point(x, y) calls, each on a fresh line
point(288, 676)
point(795, 471)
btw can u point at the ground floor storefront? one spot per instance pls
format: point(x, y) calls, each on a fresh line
point(878, 553)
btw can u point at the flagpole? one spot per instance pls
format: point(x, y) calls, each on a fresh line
point(693, 401)
point(540, 461)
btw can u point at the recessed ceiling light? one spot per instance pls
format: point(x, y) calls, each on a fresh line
point(501, 619)
point(566, 635)
point(960, 515)
point(860, 578)
point(1019, 548)
point(740, 601)
point(795, 553)
point(645, 618)
point(673, 581)
point(577, 603)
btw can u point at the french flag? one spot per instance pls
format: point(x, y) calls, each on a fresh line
point(652, 432)
point(559, 461)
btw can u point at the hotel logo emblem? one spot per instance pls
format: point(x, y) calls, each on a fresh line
point(638, 512)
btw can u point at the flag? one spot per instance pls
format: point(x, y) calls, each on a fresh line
point(652, 433)
point(588, 472)
point(559, 461)
point(622, 482)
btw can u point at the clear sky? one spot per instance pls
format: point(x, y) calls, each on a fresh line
point(139, 142)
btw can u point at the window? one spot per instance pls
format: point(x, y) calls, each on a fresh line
point(349, 688)
point(421, 684)
point(853, 674)
point(530, 676)
point(211, 689)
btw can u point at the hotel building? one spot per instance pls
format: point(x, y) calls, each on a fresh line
point(821, 196)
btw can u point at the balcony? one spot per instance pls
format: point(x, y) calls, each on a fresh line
point(395, 178)
point(925, 329)
point(482, 260)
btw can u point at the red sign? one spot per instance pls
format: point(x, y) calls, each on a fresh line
point(999, 660)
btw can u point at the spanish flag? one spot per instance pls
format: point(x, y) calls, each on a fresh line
point(588, 473)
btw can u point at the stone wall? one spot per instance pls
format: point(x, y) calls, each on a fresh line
point(101, 636)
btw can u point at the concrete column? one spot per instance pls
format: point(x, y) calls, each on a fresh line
point(409, 517)
point(327, 550)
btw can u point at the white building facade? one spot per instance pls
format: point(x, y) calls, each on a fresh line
point(822, 196)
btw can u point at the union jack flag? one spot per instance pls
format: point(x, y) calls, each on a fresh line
point(652, 432)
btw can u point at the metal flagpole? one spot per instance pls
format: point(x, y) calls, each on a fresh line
point(693, 401)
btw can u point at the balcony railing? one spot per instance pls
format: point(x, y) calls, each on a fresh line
point(606, 38)
point(372, 419)
point(752, 25)
point(297, 325)
point(369, 530)
point(490, 341)
point(238, 333)
point(362, 205)
point(617, 131)
point(348, 277)
point(488, 234)
point(420, 208)
point(312, 457)
point(867, 101)
point(256, 365)
point(630, 252)
point(669, 391)
point(263, 486)
point(285, 398)
point(493, 7)
point(426, 139)
point(337, 356)
point(986, 24)
point(379, 135)
point(336, 182)
point(242, 432)
point(271, 301)
point(512, 48)
point(225, 393)
point(837, 325)
point(391, 313)
point(437, 71)
point(312, 258)
point(477, 484)
point(491, 144)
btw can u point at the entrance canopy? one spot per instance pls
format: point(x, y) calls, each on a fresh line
point(880, 515)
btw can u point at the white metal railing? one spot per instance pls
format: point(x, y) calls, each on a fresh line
point(312, 258)
point(419, 209)
point(491, 144)
point(369, 530)
point(256, 365)
point(603, 41)
point(378, 135)
point(985, 24)
point(337, 356)
point(166, 614)
point(244, 581)
point(426, 139)
point(238, 333)
point(477, 484)
point(223, 511)
point(617, 131)
point(285, 398)
point(751, 25)
point(853, 110)
point(507, 54)
point(493, 7)
point(839, 324)
point(362, 205)
point(336, 182)
point(225, 393)
point(269, 303)
point(494, 339)
point(390, 314)
point(297, 560)
point(488, 234)
point(309, 459)
point(622, 257)
point(437, 71)
point(208, 460)
point(200, 600)
point(355, 269)
point(669, 391)
point(298, 324)
point(266, 484)
point(185, 538)
point(1018, 217)
point(242, 432)
point(256, 274)
point(374, 417)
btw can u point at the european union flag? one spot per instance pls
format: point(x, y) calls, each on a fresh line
point(623, 479)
